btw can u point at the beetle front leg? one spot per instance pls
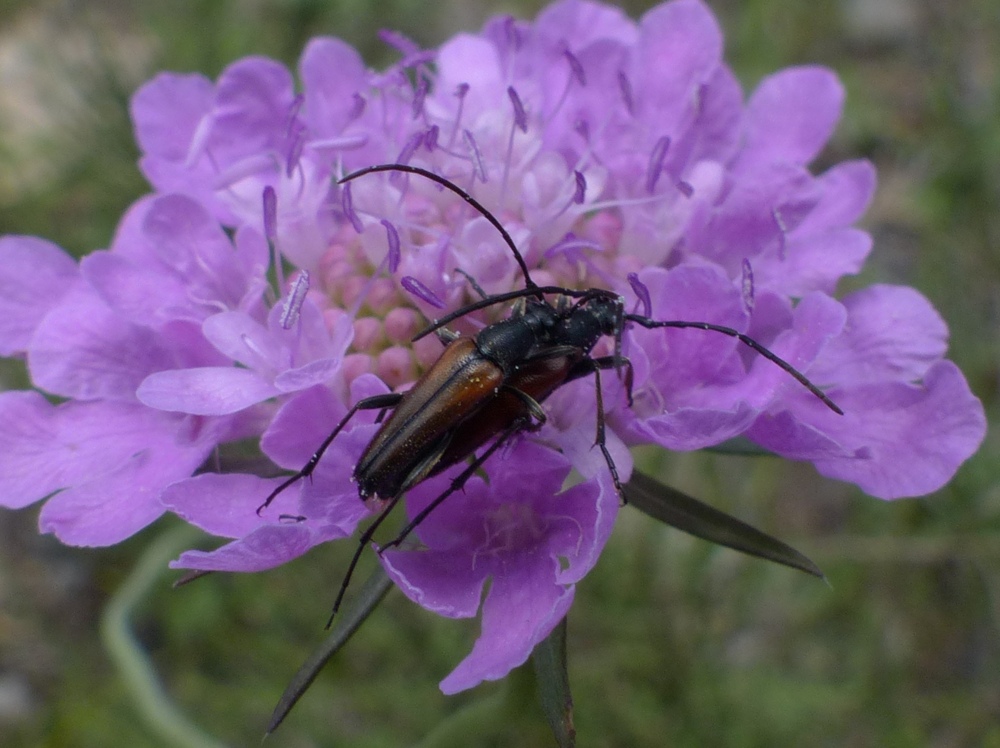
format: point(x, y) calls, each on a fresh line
point(446, 336)
point(600, 439)
point(617, 363)
point(594, 365)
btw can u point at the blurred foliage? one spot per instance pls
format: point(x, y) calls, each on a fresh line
point(672, 642)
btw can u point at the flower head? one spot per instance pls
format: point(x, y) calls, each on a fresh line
point(618, 155)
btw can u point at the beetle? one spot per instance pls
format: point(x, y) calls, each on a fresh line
point(486, 388)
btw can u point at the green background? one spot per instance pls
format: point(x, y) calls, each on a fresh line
point(672, 641)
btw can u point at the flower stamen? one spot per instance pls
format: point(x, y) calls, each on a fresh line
point(347, 205)
point(625, 87)
point(460, 92)
point(478, 167)
point(746, 286)
point(656, 158)
point(422, 292)
point(293, 302)
point(779, 221)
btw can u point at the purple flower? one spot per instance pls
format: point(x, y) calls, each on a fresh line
point(91, 334)
point(610, 150)
point(515, 530)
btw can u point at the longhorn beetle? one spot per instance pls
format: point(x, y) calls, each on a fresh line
point(490, 386)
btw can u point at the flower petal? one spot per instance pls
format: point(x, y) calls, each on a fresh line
point(34, 276)
point(47, 447)
point(85, 351)
point(791, 116)
point(204, 391)
point(224, 504)
point(678, 51)
point(434, 581)
point(892, 333)
point(329, 99)
point(885, 444)
point(166, 112)
point(521, 609)
point(264, 548)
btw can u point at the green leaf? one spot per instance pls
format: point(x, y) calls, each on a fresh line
point(708, 523)
point(549, 660)
point(348, 620)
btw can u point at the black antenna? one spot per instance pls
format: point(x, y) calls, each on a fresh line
point(747, 341)
point(478, 206)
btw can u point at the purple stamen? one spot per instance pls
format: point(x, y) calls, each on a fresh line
point(575, 67)
point(656, 163)
point(293, 114)
point(398, 41)
point(431, 137)
point(341, 143)
point(410, 148)
point(293, 302)
point(626, 90)
point(520, 116)
point(199, 140)
point(699, 98)
point(570, 246)
point(747, 286)
point(358, 108)
point(242, 169)
point(422, 292)
point(782, 232)
point(270, 199)
point(423, 86)
point(460, 91)
point(685, 188)
point(581, 187)
point(510, 30)
point(642, 293)
point(295, 151)
point(270, 213)
point(348, 206)
point(477, 158)
point(393, 237)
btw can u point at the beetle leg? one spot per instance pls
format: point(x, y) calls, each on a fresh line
point(369, 533)
point(534, 409)
point(363, 542)
point(418, 474)
point(600, 438)
point(586, 366)
point(389, 400)
point(594, 365)
point(446, 336)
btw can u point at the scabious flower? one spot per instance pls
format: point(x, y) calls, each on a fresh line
point(618, 155)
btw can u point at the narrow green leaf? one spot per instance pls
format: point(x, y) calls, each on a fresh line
point(348, 620)
point(703, 521)
point(549, 660)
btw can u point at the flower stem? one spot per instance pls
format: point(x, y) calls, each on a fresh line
point(151, 700)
